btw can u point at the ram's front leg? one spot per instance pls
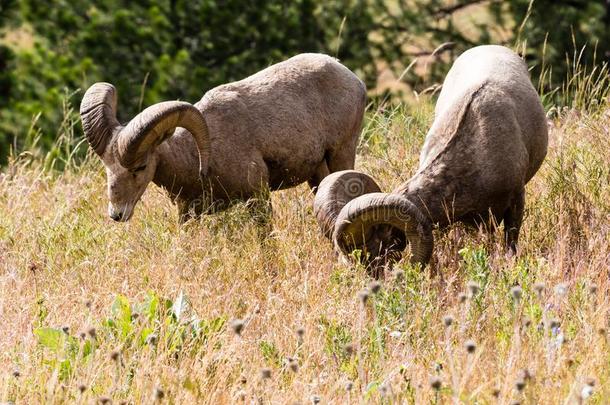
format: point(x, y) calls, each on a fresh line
point(513, 218)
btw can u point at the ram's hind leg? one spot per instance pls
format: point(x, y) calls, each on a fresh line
point(512, 221)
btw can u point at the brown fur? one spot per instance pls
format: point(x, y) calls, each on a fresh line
point(296, 121)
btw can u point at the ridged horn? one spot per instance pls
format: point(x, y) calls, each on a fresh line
point(380, 224)
point(98, 115)
point(155, 124)
point(336, 190)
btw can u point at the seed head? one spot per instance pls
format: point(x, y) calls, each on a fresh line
point(300, 332)
point(104, 400)
point(265, 373)
point(88, 304)
point(448, 320)
point(82, 388)
point(470, 346)
point(237, 325)
point(436, 383)
point(561, 289)
point(349, 386)
point(473, 287)
point(526, 322)
point(539, 288)
point(240, 395)
point(592, 288)
point(114, 355)
point(349, 349)
point(65, 329)
point(554, 323)
point(151, 339)
point(462, 297)
point(92, 333)
point(315, 399)
point(363, 296)
point(520, 384)
point(495, 392)
point(159, 394)
point(399, 275)
point(16, 373)
point(293, 364)
point(375, 287)
point(243, 379)
point(516, 292)
point(525, 374)
point(515, 402)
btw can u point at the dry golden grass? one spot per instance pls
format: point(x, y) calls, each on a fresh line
point(150, 306)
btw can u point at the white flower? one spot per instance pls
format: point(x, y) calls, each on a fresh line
point(395, 334)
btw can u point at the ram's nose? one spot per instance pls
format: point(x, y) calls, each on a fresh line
point(117, 216)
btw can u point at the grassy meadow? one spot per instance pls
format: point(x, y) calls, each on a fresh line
point(92, 311)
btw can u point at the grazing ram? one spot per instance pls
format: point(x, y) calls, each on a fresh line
point(488, 139)
point(295, 121)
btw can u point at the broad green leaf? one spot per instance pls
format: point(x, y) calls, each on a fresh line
point(50, 338)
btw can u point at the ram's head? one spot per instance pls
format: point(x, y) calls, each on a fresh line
point(352, 211)
point(127, 151)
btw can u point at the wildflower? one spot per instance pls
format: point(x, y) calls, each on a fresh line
point(561, 289)
point(293, 364)
point(462, 297)
point(448, 320)
point(375, 287)
point(265, 373)
point(470, 346)
point(240, 395)
point(159, 394)
point(399, 275)
point(349, 349)
point(516, 292)
point(473, 287)
point(114, 355)
point(539, 288)
point(520, 384)
point(363, 296)
point(554, 323)
point(436, 383)
point(237, 325)
point(395, 334)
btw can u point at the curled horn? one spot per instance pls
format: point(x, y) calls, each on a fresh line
point(380, 224)
point(336, 190)
point(145, 131)
point(98, 115)
point(155, 124)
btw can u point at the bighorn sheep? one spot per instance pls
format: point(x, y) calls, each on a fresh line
point(488, 139)
point(295, 121)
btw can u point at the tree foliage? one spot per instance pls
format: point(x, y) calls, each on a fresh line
point(154, 50)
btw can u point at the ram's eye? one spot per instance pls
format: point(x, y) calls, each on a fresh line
point(138, 169)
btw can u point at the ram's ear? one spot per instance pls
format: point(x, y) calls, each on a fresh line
point(98, 116)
